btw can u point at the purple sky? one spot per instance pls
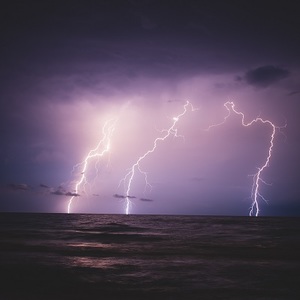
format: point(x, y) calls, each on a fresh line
point(67, 68)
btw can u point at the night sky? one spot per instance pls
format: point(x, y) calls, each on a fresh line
point(68, 66)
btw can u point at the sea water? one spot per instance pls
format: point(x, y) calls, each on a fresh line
point(82, 256)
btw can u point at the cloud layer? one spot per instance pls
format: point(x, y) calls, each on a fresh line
point(69, 68)
point(266, 75)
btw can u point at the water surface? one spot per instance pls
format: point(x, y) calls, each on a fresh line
point(81, 256)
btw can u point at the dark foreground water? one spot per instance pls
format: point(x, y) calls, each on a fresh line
point(58, 256)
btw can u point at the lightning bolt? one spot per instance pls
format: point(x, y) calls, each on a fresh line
point(128, 178)
point(99, 151)
point(257, 177)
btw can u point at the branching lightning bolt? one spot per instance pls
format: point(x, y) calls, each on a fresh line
point(257, 177)
point(99, 151)
point(128, 179)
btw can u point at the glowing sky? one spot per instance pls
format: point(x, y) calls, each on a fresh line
point(68, 68)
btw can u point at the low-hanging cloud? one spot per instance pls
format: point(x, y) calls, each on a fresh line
point(18, 186)
point(123, 196)
point(60, 191)
point(146, 199)
point(44, 186)
point(265, 75)
point(72, 194)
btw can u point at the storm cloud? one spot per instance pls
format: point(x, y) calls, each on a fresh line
point(18, 186)
point(60, 191)
point(67, 69)
point(146, 199)
point(266, 75)
point(123, 196)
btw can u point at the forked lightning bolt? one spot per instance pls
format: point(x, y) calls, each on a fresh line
point(257, 177)
point(100, 150)
point(128, 179)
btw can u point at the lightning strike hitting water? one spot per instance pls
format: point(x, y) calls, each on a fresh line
point(102, 148)
point(257, 179)
point(136, 166)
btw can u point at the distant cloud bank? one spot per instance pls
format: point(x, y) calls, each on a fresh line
point(265, 75)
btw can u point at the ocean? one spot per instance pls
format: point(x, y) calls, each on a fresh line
point(85, 256)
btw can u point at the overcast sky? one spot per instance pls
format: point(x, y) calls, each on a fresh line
point(69, 66)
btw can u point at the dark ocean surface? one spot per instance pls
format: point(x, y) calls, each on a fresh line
point(80, 256)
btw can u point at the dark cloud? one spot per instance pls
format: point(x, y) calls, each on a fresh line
point(119, 196)
point(72, 194)
point(44, 186)
point(18, 186)
point(265, 76)
point(123, 197)
point(146, 199)
point(60, 191)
